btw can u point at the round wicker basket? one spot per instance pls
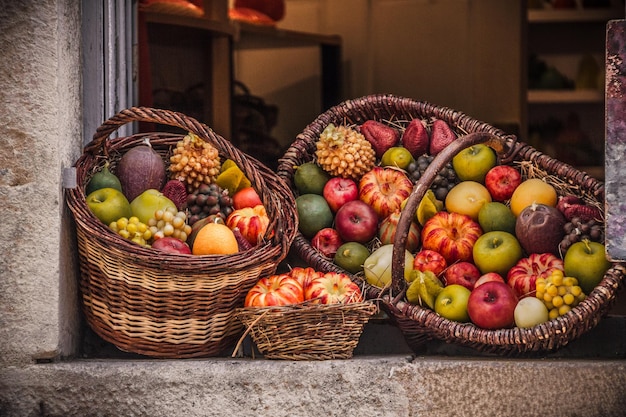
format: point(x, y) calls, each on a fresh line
point(421, 324)
point(169, 305)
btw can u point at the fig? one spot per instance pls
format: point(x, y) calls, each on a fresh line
point(140, 169)
point(540, 228)
point(103, 179)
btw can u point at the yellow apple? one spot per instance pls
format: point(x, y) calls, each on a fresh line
point(467, 197)
point(147, 203)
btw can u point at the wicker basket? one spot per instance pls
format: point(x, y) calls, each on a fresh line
point(169, 305)
point(307, 331)
point(419, 324)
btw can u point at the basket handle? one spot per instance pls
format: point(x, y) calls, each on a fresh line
point(502, 146)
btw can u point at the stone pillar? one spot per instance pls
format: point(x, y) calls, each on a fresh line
point(40, 135)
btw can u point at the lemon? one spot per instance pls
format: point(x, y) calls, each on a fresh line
point(496, 216)
point(310, 178)
point(351, 256)
point(396, 156)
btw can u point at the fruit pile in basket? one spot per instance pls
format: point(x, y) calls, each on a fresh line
point(495, 245)
point(194, 204)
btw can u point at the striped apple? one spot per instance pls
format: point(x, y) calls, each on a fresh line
point(333, 288)
point(275, 290)
point(524, 274)
point(387, 232)
point(451, 234)
point(384, 189)
point(251, 221)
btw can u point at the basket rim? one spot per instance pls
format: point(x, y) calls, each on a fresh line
point(538, 338)
point(272, 189)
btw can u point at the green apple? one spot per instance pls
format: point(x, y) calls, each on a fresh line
point(108, 205)
point(496, 251)
point(586, 261)
point(451, 303)
point(377, 266)
point(473, 163)
point(147, 203)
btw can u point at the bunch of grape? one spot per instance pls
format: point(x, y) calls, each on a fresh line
point(577, 230)
point(443, 182)
point(559, 293)
point(208, 199)
point(169, 222)
point(132, 229)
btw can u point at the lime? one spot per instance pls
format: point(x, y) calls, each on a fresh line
point(496, 216)
point(351, 256)
point(314, 214)
point(310, 178)
point(428, 207)
point(396, 156)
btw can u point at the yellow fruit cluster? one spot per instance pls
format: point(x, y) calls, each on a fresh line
point(194, 162)
point(132, 229)
point(559, 293)
point(344, 152)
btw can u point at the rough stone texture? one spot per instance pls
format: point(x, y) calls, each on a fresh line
point(39, 135)
point(370, 386)
point(615, 139)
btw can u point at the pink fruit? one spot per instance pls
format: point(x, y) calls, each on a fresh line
point(492, 306)
point(440, 136)
point(381, 136)
point(501, 181)
point(384, 189)
point(339, 191)
point(415, 138)
point(333, 288)
point(523, 275)
point(387, 232)
point(356, 222)
point(172, 245)
point(327, 241)
point(429, 260)
point(451, 234)
point(462, 273)
point(489, 276)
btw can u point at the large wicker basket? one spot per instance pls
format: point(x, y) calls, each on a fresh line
point(169, 305)
point(420, 324)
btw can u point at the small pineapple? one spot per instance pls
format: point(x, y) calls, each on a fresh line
point(344, 152)
point(194, 162)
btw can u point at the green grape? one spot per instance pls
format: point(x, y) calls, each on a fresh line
point(169, 222)
point(132, 229)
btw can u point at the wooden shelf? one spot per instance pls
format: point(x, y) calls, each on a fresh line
point(565, 96)
point(214, 26)
point(574, 15)
point(248, 36)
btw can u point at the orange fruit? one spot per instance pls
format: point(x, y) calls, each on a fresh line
point(215, 239)
point(533, 190)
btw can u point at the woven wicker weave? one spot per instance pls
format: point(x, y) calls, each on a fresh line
point(169, 305)
point(307, 331)
point(419, 324)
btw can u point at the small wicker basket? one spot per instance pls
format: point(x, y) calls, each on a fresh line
point(169, 305)
point(420, 324)
point(307, 331)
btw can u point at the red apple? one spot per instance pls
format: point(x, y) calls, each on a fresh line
point(339, 191)
point(523, 275)
point(429, 260)
point(384, 189)
point(356, 222)
point(327, 241)
point(462, 273)
point(172, 245)
point(451, 234)
point(333, 288)
point(492, 306)
point(488, 277)
point(246, 197)
point(251, 221)
point(387, 232)
point(501, 181)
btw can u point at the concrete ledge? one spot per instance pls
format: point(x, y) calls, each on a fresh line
point(366, 386)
